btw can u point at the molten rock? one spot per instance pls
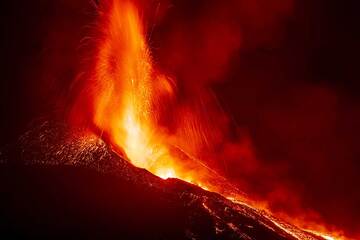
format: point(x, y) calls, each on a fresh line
point(62, 183)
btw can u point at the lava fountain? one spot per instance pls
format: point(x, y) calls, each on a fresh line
point(136, 107)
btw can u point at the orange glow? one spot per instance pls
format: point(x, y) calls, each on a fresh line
point(129, 96)
point(124, 101)
point(325, 236)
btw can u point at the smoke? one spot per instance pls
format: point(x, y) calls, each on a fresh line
point(197, 41)
point(289, 141)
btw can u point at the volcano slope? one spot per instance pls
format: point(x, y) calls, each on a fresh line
point(62, 183)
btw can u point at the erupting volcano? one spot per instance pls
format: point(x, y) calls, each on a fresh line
point(131, 120)
point(139, 110)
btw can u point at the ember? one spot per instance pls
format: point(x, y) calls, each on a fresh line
point(130, 98)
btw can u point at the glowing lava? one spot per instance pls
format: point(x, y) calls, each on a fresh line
point(131, 99)
point(127, 89)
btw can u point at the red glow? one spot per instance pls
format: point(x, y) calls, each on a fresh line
point(141, 112)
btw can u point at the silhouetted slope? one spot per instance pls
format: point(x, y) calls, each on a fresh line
point(68, 184)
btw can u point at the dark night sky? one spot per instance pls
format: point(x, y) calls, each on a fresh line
point(289, 78)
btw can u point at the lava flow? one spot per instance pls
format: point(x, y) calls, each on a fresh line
point(137, 108)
